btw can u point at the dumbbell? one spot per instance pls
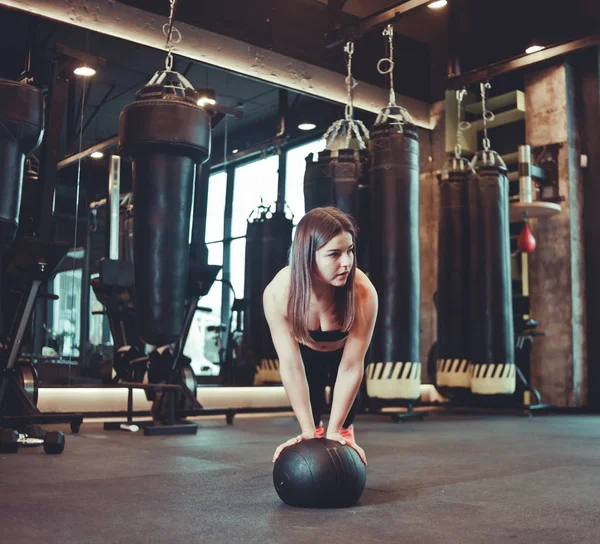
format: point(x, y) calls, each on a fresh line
point(11, 440)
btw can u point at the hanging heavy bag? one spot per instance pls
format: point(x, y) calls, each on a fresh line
point(492, 340)
point(395, 370)
point(21, 131)
point(454, 284)
point(167, 135)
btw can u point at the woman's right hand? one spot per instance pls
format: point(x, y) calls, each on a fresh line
point(291, 442)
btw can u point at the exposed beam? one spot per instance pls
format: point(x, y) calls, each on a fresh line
point(372, 22)
point(102, 146)
point(522, 61)
point(139, 26)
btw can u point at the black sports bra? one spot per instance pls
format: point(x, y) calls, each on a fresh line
point(327, 336)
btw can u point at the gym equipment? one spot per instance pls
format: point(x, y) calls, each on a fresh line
point(492, 341)
point(52, 441)
point(113, 286)
point(167, 135)
point(340, 175)
point(395, 368)
point(34, 256)
point(319, 473)
point(454, 285)
point(173, 383)
point(526, 242)
point(452, 299)
point(268, 238)
point(334, 179)
point(21, 132)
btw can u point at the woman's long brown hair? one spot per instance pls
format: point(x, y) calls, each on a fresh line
point(313, 231)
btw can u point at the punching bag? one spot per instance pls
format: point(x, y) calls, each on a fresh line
point(363, 214)
point(454, 283)
point(492, 340)
point(395, 370)
point(21, 131)
point(167, 136)
point(340, 178)
point(267, 244)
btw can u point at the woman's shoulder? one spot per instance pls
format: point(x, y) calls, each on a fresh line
point(364, 289)
point(277, 291)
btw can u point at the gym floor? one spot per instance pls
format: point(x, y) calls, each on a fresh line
point(453, 478)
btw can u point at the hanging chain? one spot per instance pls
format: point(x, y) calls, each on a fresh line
point(348, 127)
point(389, 32)
point(487, 115)
point(173, 37)
point(350, 81)
point(460, 125)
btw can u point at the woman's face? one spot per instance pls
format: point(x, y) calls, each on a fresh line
point(334, 260)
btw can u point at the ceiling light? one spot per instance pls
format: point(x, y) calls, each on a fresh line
point(534, 49)
point(307, 126)
point(235, 151)
point(437, 4)
point(84, 71)
point(97, 155)
point(206, 101)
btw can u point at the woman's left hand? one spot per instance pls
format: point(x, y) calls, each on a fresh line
point(346, 441)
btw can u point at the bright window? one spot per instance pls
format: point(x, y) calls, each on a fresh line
point(238, 266)
point(217, 187)
point(254, 182)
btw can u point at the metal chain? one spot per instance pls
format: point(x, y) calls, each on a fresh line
point(350, 81)
point(173, 36)
point(460, 125)
point(487, 115)
point(389, 32)
point(348, 127)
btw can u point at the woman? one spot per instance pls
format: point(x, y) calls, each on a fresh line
point(321, 312)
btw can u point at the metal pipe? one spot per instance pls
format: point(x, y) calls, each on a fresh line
point(139, 26)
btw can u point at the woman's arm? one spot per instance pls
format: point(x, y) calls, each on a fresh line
point(291, 366)
point(351, 367)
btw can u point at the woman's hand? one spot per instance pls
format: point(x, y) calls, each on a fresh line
point(291, 442)
point(346, 441)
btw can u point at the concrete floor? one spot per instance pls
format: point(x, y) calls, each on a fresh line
point(450, 479)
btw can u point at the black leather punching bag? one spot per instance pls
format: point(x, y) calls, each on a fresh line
point(337, 179)
point(454, 278)
point(166, 136)
point(395, 368)
point(267, 244)
point(21, 131)
point(492, 350)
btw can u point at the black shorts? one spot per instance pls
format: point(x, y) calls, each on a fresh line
point(321, 369)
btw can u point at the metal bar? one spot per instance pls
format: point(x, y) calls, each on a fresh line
point(114, 189)
point(101, 146)
point(136, 25)
point(522, 61)
point(84, 320)
point(23, 320)
point(225, 293)
point(57, 96)
point(372, 22)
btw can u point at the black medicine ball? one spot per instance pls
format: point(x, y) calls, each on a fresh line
point(319, 473)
